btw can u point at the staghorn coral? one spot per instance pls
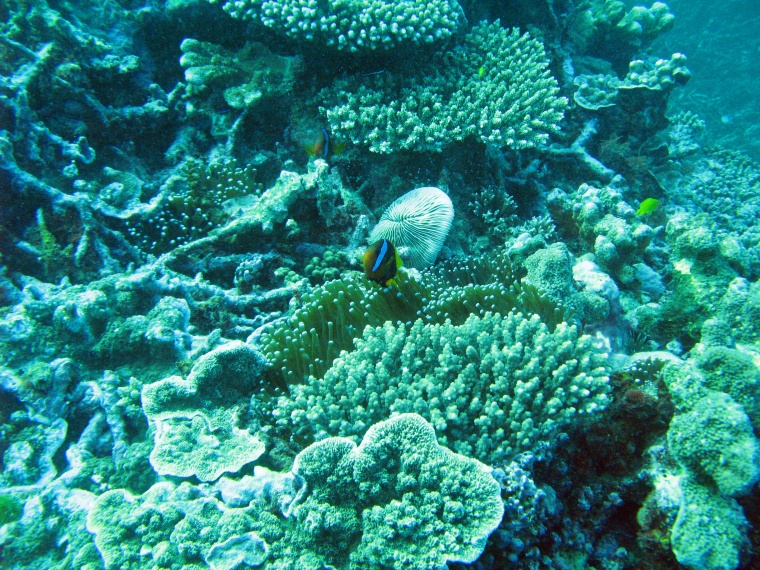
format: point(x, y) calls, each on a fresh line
point(513, 102)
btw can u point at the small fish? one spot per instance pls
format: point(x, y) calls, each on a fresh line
point(320, 148)
point(648, 206)
point(481, 72)
point(323, 146)
point(381, 262)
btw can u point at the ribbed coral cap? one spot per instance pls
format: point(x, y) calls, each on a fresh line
point(417, 223)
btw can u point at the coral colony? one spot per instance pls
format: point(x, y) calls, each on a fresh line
point(370, 284)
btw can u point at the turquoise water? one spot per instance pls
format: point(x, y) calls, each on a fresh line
point(721, 42)
point(310, 284)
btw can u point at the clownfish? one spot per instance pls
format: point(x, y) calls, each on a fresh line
point(323, 146)
point(381, 262)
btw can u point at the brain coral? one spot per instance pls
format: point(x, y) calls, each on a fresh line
point(495, 87)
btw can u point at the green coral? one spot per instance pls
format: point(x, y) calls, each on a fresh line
point(735, 372)
point(603, 28)
point(493, 386)
point(494, 212)
point(333, 264)
point(723, 193)
point(714, 441)
point(355, 26)
point(709, 531)
point(196, 419)
point(398, 500)
point(513, 102)
point(737, 318)
point(166, 526)
point(10, 508)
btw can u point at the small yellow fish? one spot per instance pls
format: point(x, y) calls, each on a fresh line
point(481, 71)
point(648, 206)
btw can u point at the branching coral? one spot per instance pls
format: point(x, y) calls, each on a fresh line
point(355, 26)
point(493, 386)
point(495, 87)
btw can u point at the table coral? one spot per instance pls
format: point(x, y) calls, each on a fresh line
point(514, 101)
point(355, 26)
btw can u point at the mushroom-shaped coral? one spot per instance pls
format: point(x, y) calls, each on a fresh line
point(417, 223)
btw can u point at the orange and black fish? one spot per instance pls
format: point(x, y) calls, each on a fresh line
point(381, 262)
point(324, 146)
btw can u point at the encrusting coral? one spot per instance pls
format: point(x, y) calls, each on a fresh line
point(196, 431)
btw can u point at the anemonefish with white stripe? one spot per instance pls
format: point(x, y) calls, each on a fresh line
point(323, 146)
point(381, 262)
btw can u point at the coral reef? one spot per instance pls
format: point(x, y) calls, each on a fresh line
point(194, 372)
